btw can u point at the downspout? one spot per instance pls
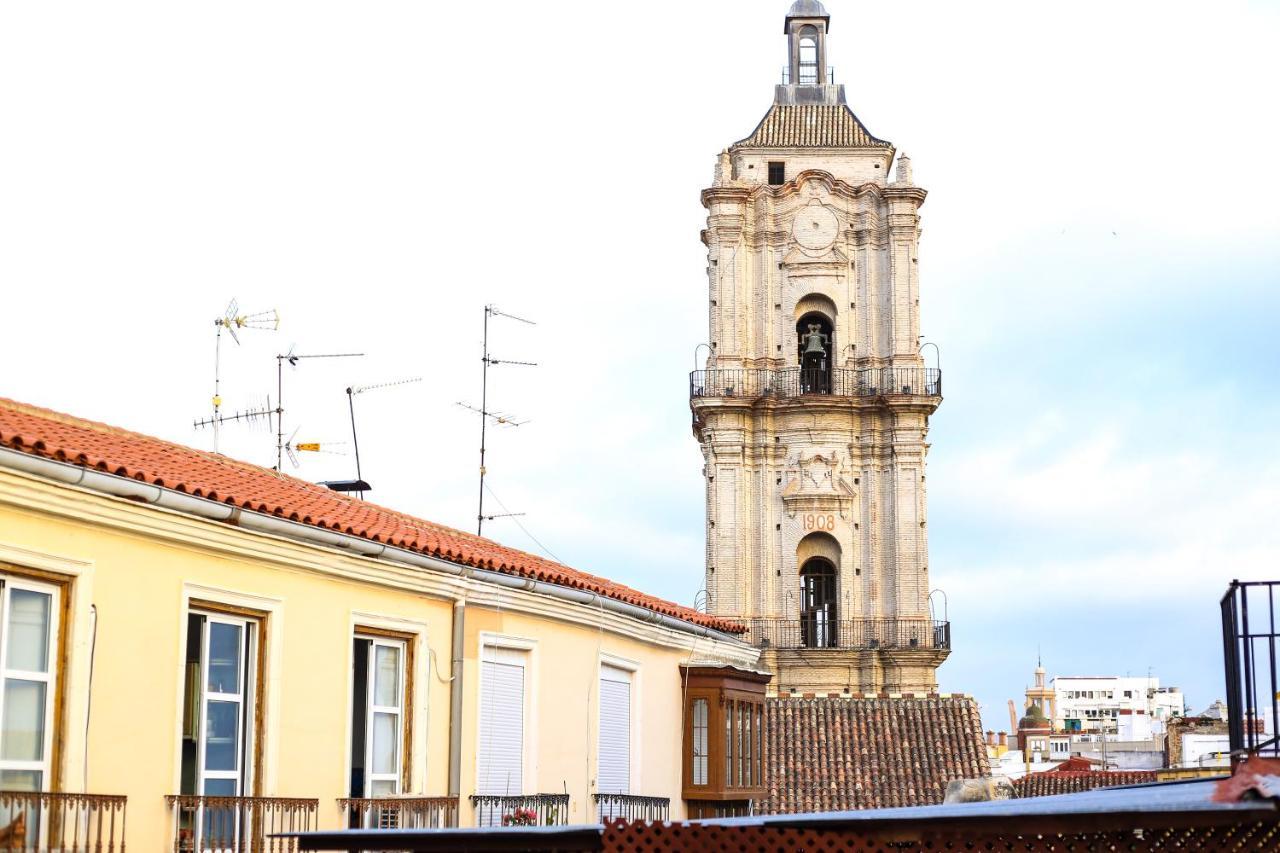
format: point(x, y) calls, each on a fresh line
point(455, 698)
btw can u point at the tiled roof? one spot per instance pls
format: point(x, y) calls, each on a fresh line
point(829, 754)
point(1052, 782)
point(810, 126)
point(41, 432)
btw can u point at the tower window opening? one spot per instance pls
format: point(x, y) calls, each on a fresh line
point(818, 604)
point(808, 61)
point(816, 343)
point(777, 173)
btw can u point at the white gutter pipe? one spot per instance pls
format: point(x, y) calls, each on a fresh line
point(124, 487)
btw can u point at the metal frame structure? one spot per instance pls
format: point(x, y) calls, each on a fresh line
point(1250, 634)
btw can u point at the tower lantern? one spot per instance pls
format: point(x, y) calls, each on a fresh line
point(806, 28)
point(813, 406)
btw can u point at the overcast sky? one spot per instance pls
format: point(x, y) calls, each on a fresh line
point(1099, 269)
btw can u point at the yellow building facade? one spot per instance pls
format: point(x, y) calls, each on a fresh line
point(159, 643)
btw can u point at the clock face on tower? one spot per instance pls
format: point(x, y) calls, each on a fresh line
point(815, 227)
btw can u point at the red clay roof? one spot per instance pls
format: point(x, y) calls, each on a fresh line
point(1051, 782)
point(836, 753)
point(41, 432)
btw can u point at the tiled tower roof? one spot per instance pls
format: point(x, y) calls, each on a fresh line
point(810, 126)
point(1072, 781)
point(836, 754)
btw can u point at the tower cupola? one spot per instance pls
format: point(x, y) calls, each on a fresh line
point(806, 28)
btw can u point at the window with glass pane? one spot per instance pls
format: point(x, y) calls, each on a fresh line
point(28, 631)
point(700, 741)
point(217, 729)
point(377, 716)
point(808, 61)
point(728, 743)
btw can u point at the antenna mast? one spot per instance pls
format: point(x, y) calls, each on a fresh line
point(351, 407)
point(232, 320)
point(483, 411)
point(293, 359)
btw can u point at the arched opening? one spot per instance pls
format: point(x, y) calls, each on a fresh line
point(808, 56)
point(818, 604)
point(815, 337)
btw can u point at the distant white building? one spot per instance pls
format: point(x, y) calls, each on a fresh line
point(1127, 707)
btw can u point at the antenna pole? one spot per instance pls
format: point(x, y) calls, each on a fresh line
point(279, 412)
point(484, 407)
point(217, 383)
point(351, 405)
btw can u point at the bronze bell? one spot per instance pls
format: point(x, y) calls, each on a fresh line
point(814, 341)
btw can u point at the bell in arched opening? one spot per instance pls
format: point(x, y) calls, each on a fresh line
point(813, 333)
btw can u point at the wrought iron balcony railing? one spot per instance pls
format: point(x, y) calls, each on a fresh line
point(400, 812)
point(815, 633)
point(529, 810)
point(610, 807)
point(60, 823)
point(239, 824)
point(752, 383)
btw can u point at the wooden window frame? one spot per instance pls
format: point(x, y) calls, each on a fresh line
point(735, 713)
point(406, 747)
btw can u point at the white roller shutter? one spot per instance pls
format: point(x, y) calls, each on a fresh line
point(614, 772)
point(501, 760)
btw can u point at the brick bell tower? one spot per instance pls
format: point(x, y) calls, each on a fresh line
point(813, 406)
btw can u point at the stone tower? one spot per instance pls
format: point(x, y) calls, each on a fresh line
point(813, 407)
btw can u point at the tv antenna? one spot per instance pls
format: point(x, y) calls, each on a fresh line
point(248, 416)
point(483, 411)
point(351, 406)
point(232, 320)
point(292, 447)
point(293, 359)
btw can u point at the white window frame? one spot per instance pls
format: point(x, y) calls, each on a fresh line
point(397, 710)
point(49, 678)
point(248, 683)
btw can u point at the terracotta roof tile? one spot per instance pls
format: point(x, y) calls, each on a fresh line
point(41, 432)
point(834, 754)
point(810, 126)
point(1052, 782)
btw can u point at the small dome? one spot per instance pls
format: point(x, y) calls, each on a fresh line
point(807, 9)
point(1034, 719)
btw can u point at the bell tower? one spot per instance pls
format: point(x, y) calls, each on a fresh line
point(812, 408)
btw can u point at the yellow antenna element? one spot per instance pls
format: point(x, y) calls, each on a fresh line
point(313, 446)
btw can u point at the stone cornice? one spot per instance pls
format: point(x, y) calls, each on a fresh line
point(747, 193)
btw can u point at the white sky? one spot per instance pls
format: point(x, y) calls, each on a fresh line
point(1101, 228)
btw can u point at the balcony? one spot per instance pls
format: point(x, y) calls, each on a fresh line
point(530, 810)
point(401, 812)
point(756, 383)
point(813, 633)
point(240, 824)
point(611, 807)
point(54, 823)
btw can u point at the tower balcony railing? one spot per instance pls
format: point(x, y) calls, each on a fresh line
point(809, 76)
point(754, 383)
point(816, 632)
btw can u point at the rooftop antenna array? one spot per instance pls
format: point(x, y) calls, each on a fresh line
point(233, 321)
point(486, 415)
point(351, 407)
point(293, 358)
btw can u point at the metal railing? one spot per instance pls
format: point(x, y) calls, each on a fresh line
point(751, 382)
point(61, 823)
point(611, 807)
point(811, 633)
point(530, 810)
point(809, 79)
point(1250, 635)
point(239, 824)
point(400, 812)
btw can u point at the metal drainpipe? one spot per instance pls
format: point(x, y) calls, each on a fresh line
point(455, 700)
